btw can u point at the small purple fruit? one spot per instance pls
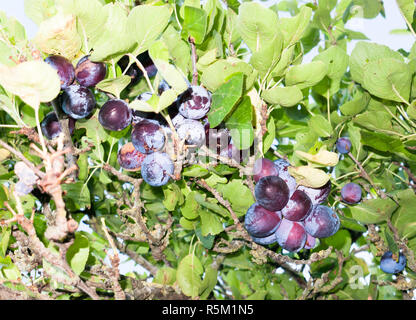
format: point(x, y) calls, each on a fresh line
point(115, 115)
point(317, 195)
point(389, 264)
point(310, 242)
point(192, 131)
point(260, 222)
point(343, 145)
point(51, 128)
point(351, 193)
point(283, 172)
point(322, 222)
point(264, 241)
point(64, 68)
point(291, 235)
point(262, 168)
point(89, 73)
point(272, 193)
point(148, 136)
point(157, 169)
point(298, 207)
point(195, 102)
point(77, 101)
point(129, 158)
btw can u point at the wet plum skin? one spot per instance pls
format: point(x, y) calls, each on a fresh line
point(272, 193)
point(157, 169)
point(78, 101)
point(260, 222)
point(129, 158)
point(51, 128)
point(147, 136)
point(262, 168)
point(194, 103)
point(317, 195)
point(298, 206)
point(343, 145)
point(89, 73)
point(64, 68)
point(291, 235)
point(389, 265)
point(351, 193)
point(322, 222)
point(115, 115)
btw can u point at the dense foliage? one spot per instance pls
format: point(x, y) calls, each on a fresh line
point(103, 117)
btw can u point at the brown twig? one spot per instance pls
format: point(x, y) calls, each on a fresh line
point(194, 58)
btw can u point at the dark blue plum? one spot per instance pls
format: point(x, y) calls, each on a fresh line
point(317, 195)
point(343, 145)
point(291, 235)
point(351, 193)
point(64, 68)
point(262, 168)
point(298, 206)
point(194, 103)
point(157, 169)
point(265, 240)
point(283, 172)
point(322, 222)
point(51, 128)
point(272, 193)
point(310, 242)
point(389, 264)
point(192, 131)
point(89, 73)
point(148, 136)
point(129, 158)
point(115, 115)
point(78, 101)
point(260, 222)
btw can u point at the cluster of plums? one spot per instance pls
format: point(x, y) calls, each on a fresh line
point(149, 132)
point(286, 213)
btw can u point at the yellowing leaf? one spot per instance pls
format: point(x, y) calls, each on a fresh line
point(308, 176)
point(323, 157)
point(33, 81)
point(58, 35)
point(4, 154)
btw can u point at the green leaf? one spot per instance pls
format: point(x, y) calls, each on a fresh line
point(336, 60)
point(404, 218)
point(388, 78)
point(358, 103)
point(294, 28)
point(240, 126)
point(270, 135)
point(283, 96)
point(210, 223)
point(257, 25)
point(4, 242)
point(165, 276)
point(39, 10)
point(306, 75)
point(189, 274)
point(33, 81)
point(114, 85)
point(238, 194)
point(159, 53)
point(77, 254)
point(365, 52)
point(195, 23)
point(320, 125)
point(191, 208)
point(77, 195)
point(220, 72)
point(209, 282)
point(407, 8)
point(146, 23)
point(224, 99)
point(373, 210)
